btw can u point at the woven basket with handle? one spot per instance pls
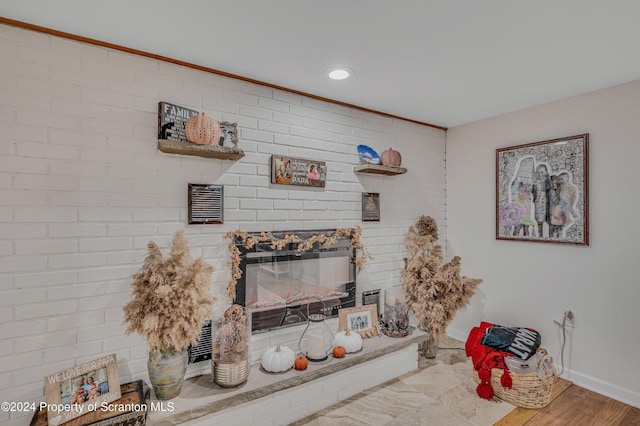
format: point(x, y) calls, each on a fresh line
point(531, 390)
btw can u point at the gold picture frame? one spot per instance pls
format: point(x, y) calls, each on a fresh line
point(81, 389)
point(361, 319)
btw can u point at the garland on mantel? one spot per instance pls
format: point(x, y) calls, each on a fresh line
point(238, 237)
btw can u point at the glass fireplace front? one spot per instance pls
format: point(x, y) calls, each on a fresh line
point(281, 286)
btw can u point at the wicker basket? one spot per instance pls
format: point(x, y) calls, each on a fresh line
point(528, 390)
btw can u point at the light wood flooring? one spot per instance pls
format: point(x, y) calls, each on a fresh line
point(573, 405)
point(441, 392)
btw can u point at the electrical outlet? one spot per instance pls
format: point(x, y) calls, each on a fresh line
point(570, 318)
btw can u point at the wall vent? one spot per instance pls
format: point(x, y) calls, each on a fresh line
point(205, 204)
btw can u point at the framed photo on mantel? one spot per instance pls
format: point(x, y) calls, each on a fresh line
point(542, 191)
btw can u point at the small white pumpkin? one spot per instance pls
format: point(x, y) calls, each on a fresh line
point(352, 342)
point(278, 359)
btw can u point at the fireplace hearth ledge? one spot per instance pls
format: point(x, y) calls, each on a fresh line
point(201, 398)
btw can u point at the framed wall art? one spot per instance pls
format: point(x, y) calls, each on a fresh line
point(361, 319)
point(82, 389)
point(371, 207)
point(298, 171)
point(542, 191)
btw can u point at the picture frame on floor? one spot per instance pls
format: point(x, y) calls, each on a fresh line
point(81, 389)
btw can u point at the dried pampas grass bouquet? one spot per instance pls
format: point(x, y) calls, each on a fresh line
point(434, 291)
point(171, 297)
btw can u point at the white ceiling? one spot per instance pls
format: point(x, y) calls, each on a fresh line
point(443, 62)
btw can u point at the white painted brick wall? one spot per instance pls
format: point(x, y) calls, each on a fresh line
point(83, 189)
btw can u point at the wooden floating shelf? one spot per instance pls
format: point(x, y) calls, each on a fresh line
point(378, 169)
point(209, 151)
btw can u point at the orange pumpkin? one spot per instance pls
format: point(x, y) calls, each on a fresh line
point(301, 363)
point(339, 351)
point(202, 130)
point(390, 158)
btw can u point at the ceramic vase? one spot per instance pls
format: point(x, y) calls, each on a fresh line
point(166, 372)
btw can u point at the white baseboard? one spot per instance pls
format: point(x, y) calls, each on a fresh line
point(458, 335)
point(610, 390)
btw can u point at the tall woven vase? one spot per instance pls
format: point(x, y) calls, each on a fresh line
point(166, 372)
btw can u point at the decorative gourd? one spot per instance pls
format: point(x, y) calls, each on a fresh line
point(202, 130)
point(278, 359)
point(390, 158)
point(352, 342)
point(301, 363)
point(339, 351)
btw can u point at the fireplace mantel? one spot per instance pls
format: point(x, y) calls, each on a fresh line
point(383, 357)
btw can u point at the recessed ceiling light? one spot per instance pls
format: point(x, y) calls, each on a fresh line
point(339, 73)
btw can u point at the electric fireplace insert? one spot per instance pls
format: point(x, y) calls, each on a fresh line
point(281, 286)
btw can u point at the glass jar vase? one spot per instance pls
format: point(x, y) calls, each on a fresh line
point(231, 338)
point(395, 317)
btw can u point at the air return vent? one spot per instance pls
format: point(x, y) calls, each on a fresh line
point(205, 204)
point(201, 351)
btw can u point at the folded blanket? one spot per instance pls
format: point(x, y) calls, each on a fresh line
point(522, 342)
point(484, 359)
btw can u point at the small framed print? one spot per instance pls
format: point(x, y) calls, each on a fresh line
point(362, 319)
point(81, 389)
point(228, 134)
point(371, 207)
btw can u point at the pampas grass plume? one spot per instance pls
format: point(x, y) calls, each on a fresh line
point(171, 297)
point(434, 291)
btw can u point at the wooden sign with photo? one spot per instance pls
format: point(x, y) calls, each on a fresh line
point(361, 319)
point(82, 389)
point(130, 410)
point(298, 171)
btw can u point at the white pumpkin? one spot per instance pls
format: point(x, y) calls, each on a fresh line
point(278, 359)
point(352, 342)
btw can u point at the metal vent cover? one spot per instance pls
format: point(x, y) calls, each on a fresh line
point(201, 351)
point(205, 203)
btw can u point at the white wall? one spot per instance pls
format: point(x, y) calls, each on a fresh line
point(531, 284)
point(83, 189)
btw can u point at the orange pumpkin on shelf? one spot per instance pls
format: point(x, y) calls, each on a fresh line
point(391, 158)
point(339, 351)
point(301, 363)
point(202, 130)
